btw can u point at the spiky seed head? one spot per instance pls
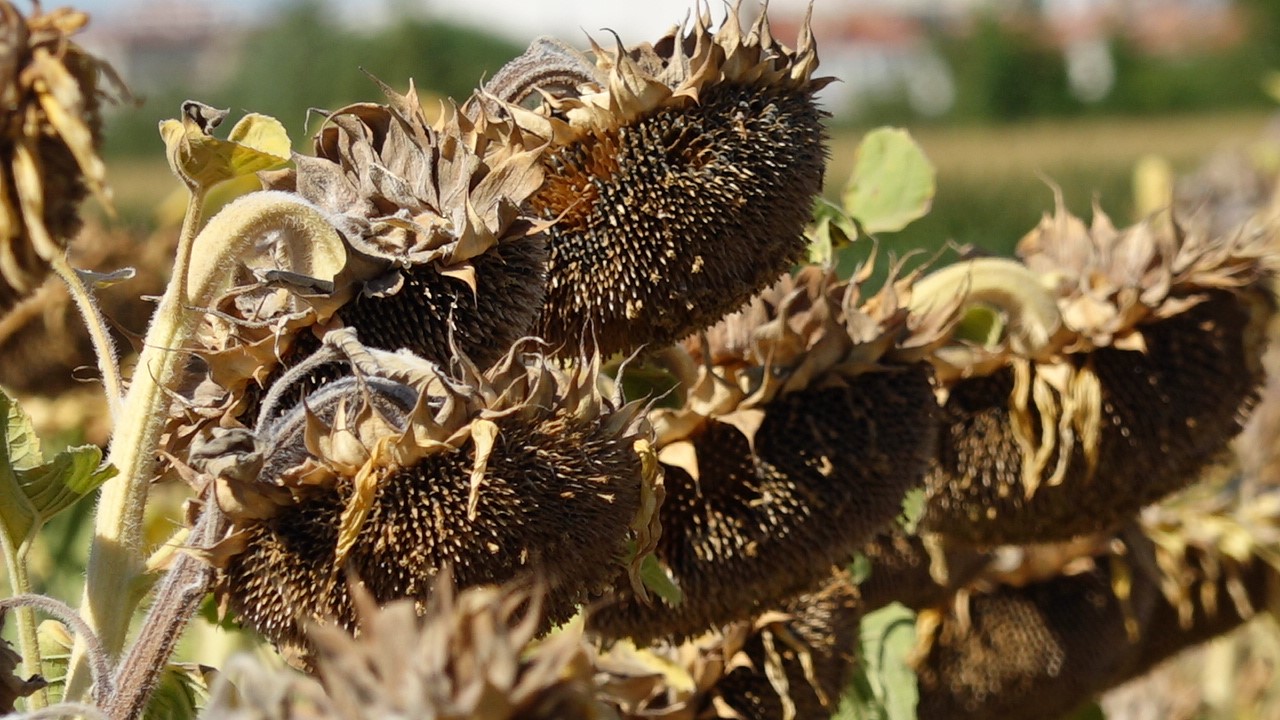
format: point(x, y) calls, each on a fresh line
point(444, 257)
point(1153, 364)
point(1040, 649)
point(806, 417)
point(49, 138)
point(679, 178)
point(467, 654)
point(789, 662)
point(386, 477)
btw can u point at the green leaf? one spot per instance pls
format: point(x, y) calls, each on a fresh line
point(655, 577)
point(912, 510)
point(888, 638)
point(183, 688)
point(859, 568)
point(257, 142)
point(830, 230)
point(33, 490)
point(892, 183)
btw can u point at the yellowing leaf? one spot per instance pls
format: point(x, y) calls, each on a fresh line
point(257, 142)
point(892, 183)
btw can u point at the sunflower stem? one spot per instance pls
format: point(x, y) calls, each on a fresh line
point(176, 601)
point(104, 347)
point(20, 584)
point(116, 556)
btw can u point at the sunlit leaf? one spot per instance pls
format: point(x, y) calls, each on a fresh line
point(892, 184)
point(32, 490)
point(912, 509)
point(257, 142)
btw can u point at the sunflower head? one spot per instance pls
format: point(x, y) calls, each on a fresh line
point(49, 138)
point(384, 477)
point(1130, 358)
point(678, 178)
point(804, 419)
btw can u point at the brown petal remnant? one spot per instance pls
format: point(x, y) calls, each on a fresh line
point(792, 662)
point(679, 178)
point(384, 478)
point(433, 213)
point(1151, 365)
point(471, 654)
point(806, 418)
point(49, 139)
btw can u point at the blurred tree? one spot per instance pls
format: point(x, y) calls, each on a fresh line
point(305, 59)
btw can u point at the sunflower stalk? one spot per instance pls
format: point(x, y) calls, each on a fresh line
point(19, 585)
point(115, 557)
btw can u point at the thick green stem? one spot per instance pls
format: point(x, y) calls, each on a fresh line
point(116, 556)
point(19, 584)
point(104, 347)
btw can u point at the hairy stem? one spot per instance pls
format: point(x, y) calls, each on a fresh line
point(20, 586)
point(206, 266)
point(178, 597)
point(103, 346)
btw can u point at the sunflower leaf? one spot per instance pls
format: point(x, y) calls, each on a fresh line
point(32, 489)
point(892, 184)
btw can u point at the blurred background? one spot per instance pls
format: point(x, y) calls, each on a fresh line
point(1008, 98)
point(1004, 95)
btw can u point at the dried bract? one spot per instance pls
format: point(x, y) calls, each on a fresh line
point(472, 654)
point(792, 662)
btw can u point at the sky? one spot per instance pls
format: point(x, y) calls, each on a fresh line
point(518, 19)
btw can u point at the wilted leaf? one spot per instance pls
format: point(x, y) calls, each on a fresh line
point(33, 490)
point(892, 183)
point(257, 142)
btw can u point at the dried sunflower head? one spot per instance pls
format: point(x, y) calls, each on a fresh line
point(385, 477)
point(1131, 359)
point(433, 253)
point(444, 257)
point(471, 654)
point(792, 662)
point(1043, 648)
point(806, 418)
point(678, 177)
point(49, 138)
